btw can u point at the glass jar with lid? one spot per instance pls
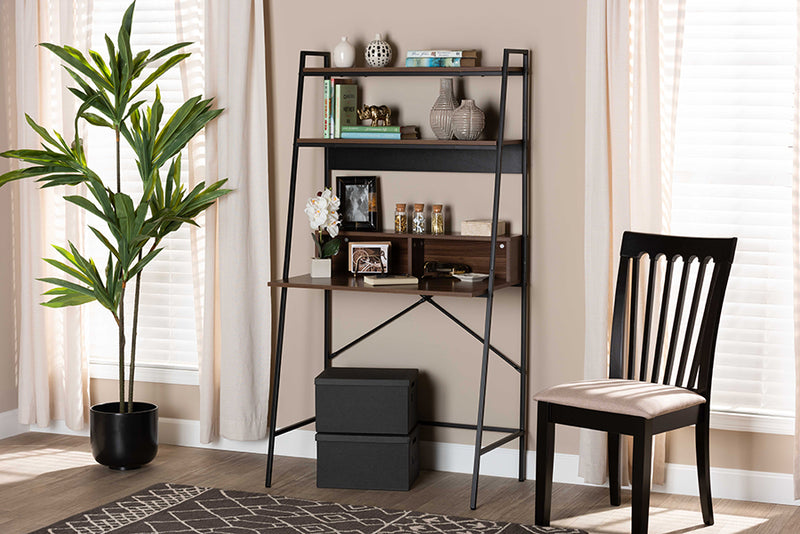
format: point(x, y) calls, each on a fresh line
point(437, 220)
point(400, 219)
point(418, 219)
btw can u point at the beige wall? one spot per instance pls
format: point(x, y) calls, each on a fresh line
point(8, 367)
point(8, 127)
point(554, 32)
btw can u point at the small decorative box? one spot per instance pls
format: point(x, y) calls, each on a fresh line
point(482, 227)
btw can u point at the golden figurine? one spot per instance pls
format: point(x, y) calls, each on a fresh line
point(378, 114)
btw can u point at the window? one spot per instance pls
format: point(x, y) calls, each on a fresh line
point(733, 177)
point(169, 328)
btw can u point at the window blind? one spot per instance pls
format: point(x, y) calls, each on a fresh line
point(168, 324)
point(733, 177)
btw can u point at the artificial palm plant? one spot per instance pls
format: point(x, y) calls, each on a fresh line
point(107, 89)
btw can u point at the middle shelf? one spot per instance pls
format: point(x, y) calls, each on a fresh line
point(408, 255)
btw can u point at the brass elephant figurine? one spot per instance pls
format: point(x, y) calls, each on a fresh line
point(378, 114)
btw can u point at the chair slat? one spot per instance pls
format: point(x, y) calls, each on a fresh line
point(662, 320)
point(617, 353)
point(687, 340)
point(648, 317)
point(634, 305)
point(696, 359)
point(676, 321)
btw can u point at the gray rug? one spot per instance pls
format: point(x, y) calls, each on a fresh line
point(175, 508)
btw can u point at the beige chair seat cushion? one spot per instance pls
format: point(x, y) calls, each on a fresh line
point(629, 397)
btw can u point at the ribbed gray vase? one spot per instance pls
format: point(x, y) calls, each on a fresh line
point(442, 110)
point(468, 121)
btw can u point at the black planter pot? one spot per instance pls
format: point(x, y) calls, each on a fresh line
point(124, 440)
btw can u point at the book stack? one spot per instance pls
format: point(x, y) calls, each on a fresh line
point(442, 58)
point(379, 132)
point(340, 96)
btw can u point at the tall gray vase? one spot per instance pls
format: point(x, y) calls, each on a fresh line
point(442, 110)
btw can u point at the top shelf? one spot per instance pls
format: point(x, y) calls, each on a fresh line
point(411, 71)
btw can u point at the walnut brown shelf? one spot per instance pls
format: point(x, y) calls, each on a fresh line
point(412, 71)
point(440, 287)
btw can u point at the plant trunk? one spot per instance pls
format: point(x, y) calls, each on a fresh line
point(121, 324)
point(121, 299)
point(133, 337)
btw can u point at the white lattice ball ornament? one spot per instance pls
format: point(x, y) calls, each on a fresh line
point(378, 52)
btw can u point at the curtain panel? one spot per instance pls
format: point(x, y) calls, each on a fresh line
point(235, 362)
point(53, 368)
point(628, 153)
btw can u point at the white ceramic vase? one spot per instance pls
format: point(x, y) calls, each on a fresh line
point(320, 267)
point(344, 54)
point(468, 121)
point(378, 52)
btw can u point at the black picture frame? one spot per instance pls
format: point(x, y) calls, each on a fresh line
point(358, 209)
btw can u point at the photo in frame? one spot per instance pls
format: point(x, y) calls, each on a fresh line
point(372, 257)
point(358, 196)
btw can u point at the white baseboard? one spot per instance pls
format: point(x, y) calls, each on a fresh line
point(9, 424)
point(735, 484)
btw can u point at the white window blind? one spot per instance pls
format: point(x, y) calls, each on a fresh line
point(168, 324)
point(733, 177)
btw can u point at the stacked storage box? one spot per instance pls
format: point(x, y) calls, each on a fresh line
point(367, 435)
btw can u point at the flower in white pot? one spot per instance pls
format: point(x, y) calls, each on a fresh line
point(323, 217)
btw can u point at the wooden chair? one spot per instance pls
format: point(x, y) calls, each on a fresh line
point(679, 387)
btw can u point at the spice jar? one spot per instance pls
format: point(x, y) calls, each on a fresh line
point(418, 220)
point(400, 219)
point(437, 220)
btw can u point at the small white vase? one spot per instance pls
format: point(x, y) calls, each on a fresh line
point(344, 54)
point(320, 267)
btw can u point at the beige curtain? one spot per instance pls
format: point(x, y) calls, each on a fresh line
point(234, 365)
point(53, 371)
point(629, 125)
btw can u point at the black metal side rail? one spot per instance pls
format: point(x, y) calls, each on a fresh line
point(508, 156)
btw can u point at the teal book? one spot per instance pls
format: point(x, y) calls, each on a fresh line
point(378, 135)
point(440, 62)
point(382, 129)
point(345, 108)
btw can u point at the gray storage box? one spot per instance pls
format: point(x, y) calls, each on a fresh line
point(352, 400)
point(358, 461)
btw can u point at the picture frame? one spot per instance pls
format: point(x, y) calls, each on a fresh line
point(358, 196)
point(368, 257)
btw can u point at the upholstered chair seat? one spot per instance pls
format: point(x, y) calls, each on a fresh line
point(629, 397)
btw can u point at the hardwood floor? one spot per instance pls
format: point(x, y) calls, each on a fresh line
point(48, 477)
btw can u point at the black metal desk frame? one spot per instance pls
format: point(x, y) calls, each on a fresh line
point(457, 156)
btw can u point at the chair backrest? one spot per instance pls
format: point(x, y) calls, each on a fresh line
point(655, 335)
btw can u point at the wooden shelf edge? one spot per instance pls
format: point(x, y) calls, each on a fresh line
point(444, 287)
point(454, 143)
point(411, 71)
point(455, 236)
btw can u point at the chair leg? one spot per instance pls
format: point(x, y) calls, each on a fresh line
point(613, 468)
point(703, 467)
point(545, 450)
point(640, 498)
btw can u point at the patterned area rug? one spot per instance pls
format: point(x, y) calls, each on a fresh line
point(175, 508)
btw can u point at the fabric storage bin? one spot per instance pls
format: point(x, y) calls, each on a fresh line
point(363, 461)
point(352, 400)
